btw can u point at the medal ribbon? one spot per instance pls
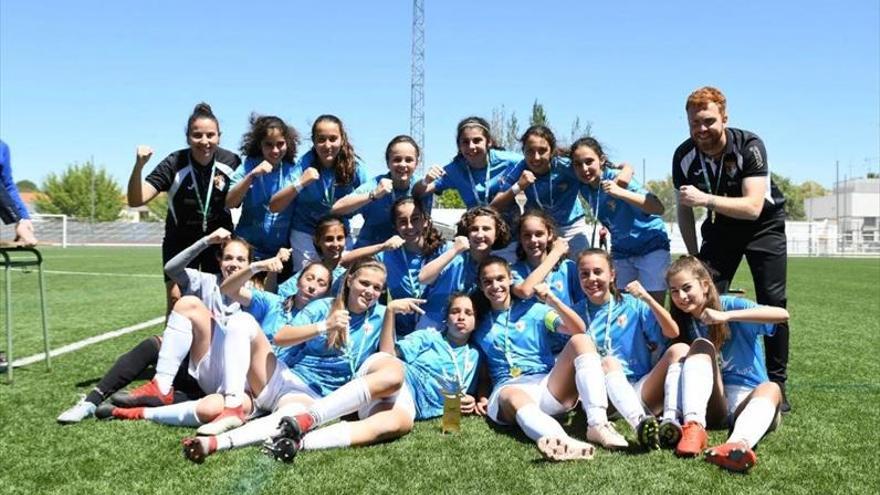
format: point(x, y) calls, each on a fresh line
point(205, 207)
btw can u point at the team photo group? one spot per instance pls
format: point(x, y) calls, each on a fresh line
point(288, 332)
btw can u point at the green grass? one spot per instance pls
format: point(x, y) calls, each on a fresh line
point(826, 446)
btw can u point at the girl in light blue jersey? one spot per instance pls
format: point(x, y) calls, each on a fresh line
point(340, 336)
point(220, 350)
point(724, 377)
point(373, 199)
point(269, 148)
point(629, 329)
point(422, 243)
point(480, 231)
point(530, 384)
point(476, 169)
point(639, 242)
point(329, 241)
point(541, 257)
point(435, 363)
point(547, 180)
point(329, 171)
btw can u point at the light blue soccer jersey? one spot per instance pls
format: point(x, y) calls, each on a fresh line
point(634, 333)
point(288, 288)
point(555, 192)
point(471, 183)
point(315, 200)
point(402, 268)
point(268, 310)
point(633, 232)
point(460, 275)
point(517, 338)
point(265, 231)
point(565, 284)
point(378, 224)
point(325, 369)
point(430, 369)
point(742, 355)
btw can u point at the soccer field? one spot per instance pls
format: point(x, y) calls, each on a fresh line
point(826, 445)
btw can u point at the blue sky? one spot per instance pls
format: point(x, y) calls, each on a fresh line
point(88, 78)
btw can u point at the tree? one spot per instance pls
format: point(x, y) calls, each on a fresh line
point(539, 117)
point(665, 192)
point(450, 199)
point(158, 208)
point(579, 130)
point(26, 186)
point(505, 129)
point(82, 191)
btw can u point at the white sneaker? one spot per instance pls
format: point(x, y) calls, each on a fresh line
point(606, 436)
point(78, 412)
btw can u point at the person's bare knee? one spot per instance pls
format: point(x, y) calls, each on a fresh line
point(209, 407)
point(610, 364)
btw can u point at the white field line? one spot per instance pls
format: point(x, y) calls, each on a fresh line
point(89, 341)
point(94, 274)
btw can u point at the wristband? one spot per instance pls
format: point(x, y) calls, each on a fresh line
point(298, 187)
point(322, 327)
point(711, 203)
point(254, 269)
point(372, 195)
point(516, 189)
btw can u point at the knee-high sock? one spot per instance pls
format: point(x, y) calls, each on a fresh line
point(176, 341)
point(128, 367)
point(671, 403)
point(334, 436)
point(182, 414)
point(753, 421)
point(536, 423)
point(590, 382)
point(697, 380)
point(258, 430)
point(624, 397)
point(237, 358)
point(346, 399)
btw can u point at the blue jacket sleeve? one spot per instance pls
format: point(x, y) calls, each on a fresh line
point(10, 201)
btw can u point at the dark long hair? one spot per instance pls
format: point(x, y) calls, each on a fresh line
point(346, 160)
point(251, 142)
point(718, 332)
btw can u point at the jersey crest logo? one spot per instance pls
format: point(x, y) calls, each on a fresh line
point(219, 182)
point(621, 320)
point(520, 326)
point(611, 204)
point(368, 327)
point(563, 187)
point(558, 285)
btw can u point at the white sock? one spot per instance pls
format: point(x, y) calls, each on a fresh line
point(239, 332)
point(334, 436)
point(753, 421)
point(624, 398)
point(176, 341)
point(344, 400)
point(671, 403)
point(258, 430)
point(590, 382)
point(180, 414)
point(697, 380)
point(536, 423)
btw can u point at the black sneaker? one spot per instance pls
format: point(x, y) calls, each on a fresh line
point(284, 446)
point(648, 433)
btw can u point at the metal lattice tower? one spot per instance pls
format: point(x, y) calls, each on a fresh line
point(417, 83)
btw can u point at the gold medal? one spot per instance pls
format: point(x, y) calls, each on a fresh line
point(451, 422)
point(515, 371)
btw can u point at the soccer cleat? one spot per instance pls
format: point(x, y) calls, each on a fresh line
point(565, 449)
point(109, 411)
point(785, 406)
point(669, 433)
point(606, 436)
point(284, 446)
point(733, 456)
point(78, 412)
point(229, 419)
point(647, 433)
point(147, 395)
point(693, 440)
point(196, 449)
